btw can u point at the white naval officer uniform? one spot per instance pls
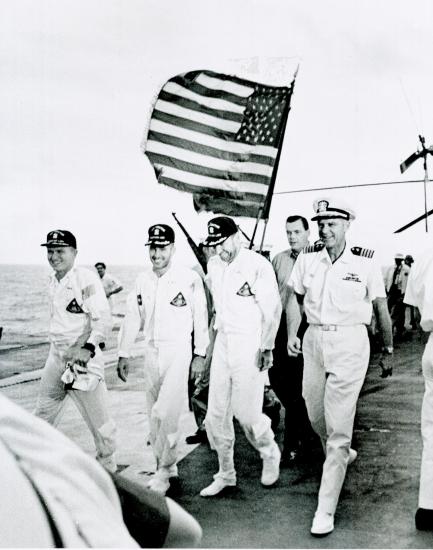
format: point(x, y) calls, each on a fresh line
point(79, 313)
point(248, 310)
point(419, 293)
point(169, 308)
point(51, 490)
point(338, 305)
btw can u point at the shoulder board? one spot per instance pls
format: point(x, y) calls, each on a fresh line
point(365, 252)
point(312, 248)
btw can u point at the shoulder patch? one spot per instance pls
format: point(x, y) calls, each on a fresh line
point(87, 291)
point(139, 300)
point(365, 252)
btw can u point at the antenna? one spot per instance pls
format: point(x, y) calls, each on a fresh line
point(420, 153)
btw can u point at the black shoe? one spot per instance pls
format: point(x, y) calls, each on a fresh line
point(199, 437)
point(424, 519)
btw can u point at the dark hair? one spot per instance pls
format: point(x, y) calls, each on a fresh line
point(101, 264)
point(293, 219)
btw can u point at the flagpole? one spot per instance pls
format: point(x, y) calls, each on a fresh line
point(267, 205)
point(259, 215)
point(425, 192)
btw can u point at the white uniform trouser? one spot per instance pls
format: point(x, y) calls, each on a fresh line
point(426, 478)
point(166, 370)
point(91, 404)
point(335, 365)
point(236, 388)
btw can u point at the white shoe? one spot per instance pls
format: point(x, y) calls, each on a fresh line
point(271, 468)
point(323, 524)
point(158, 484)
point(352, 456)
point(216, 487)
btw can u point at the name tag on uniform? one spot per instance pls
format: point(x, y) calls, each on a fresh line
point(179, 300)
point(352, 277)
point(245, 290)
point(73, 307)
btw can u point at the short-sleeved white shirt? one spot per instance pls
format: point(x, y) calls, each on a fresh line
point(339, 293)
point(419, 290)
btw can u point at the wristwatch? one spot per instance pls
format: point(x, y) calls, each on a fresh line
point(389, 350)
point(89, 347)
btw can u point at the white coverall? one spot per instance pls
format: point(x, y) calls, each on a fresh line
point(79, 313)
point(248, 311)
point(338, 305)
point(419, 293)
point(46, 478)
point(170, 308)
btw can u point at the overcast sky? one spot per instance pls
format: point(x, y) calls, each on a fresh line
point(77, 83)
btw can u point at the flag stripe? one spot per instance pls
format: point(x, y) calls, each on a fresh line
point(214, 191)
point(211, 162)
point(169, 128)
point(196, 106)
point(189, 124)
point(206, 150)
point(221, 175)
point(202, 181)
point(211, 102)
point(173, 109)
point(217, 94)
point(226, 85)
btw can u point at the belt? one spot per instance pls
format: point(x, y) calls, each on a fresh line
point(327, 328)
point(334, 328)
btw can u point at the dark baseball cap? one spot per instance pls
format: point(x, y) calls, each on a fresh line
point(160, 235)
point(60, 237)
point(219, 229)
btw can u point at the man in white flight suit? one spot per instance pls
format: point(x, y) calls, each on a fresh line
point(79, 321)
point(170, 302)
point(419, 293)
point(338, 286)
point(248, 309)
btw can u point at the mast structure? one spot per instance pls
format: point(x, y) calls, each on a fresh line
point(420, 153)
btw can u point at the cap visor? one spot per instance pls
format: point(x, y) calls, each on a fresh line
point(158, 243)
point(214, 242)
point(57, 244)
point(329, 215)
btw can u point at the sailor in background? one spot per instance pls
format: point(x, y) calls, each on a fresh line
point(248, 309)
point(169, 302)
point(419, 293)
point(79, 323)
point(286, 374)
point(395, 284)
point(111, 285)
point(337, 286)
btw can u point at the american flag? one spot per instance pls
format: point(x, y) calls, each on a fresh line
point(218, 136)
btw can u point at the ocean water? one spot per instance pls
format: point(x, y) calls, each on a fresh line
point(24, 313)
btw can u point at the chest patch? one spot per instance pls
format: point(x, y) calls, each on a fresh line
point(245, 290)
point(179, 300)
point(352, 277)
point(73, 307)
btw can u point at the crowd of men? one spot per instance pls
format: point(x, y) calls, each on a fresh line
point(298, 323)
